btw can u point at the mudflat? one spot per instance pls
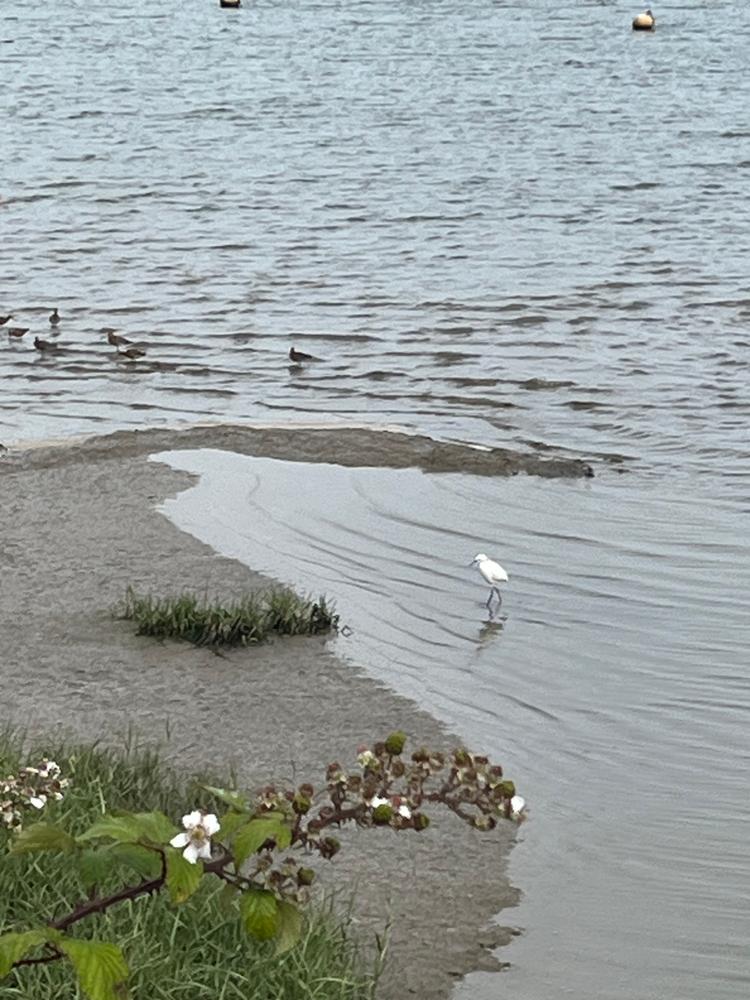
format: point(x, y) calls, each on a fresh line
point(78, 525)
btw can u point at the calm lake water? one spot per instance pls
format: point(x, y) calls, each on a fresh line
point(495, 223)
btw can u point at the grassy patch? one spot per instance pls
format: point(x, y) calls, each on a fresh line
point(175, 953)
point(252, 618)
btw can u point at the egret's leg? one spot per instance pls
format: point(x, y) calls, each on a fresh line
point(489, 601)
point(499, 596)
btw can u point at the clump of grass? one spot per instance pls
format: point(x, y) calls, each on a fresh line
point(174, 953)
point(252, 618)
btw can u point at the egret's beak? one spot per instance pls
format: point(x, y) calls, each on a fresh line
point(473, 561)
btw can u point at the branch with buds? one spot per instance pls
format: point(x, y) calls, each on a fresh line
point(247, 847)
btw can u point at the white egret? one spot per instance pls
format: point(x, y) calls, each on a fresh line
point(493, 573)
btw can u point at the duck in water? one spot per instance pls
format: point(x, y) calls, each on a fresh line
point(17, 331)
point(299, 356)
point(54, 317)
point(131, 353)
point(44, 345)
point(114, 338)
point(5, 319)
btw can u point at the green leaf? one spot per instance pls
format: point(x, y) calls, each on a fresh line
point(14, 947)
point(93, 866)
point(231, 822)
point(131, 828)
point(100, 967)
point(290, 926)
point(183, 878)
point(156, 827)
point(260, 913)
point(42, 837)
point(125, 829)
point(234, 799)
point(251, 837)
point(147, 863)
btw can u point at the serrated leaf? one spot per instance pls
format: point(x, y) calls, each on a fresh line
point(289, 929)
point(156, 827)
point(14, 947)
point(260, 913)
point(232, 798)
point(42, 837)
point(100, 967)
point(254, 834)
point(93, 866)
point(231, 822)
point(125, 829)
point(132, 828)
point(140, 859)
point(183, 878)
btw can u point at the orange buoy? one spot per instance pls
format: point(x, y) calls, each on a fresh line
point(644, 21)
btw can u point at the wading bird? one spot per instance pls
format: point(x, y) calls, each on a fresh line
point(17, 331)
point(493, 573)
point(298, 356)
point(114, 338)
point(131, 353)
point(44, 345)
point(54, 317)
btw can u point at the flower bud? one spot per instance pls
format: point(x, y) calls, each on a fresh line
point(300, 804)
point(508, 789)
point(329, 846)
point(306, 791)
point(421, 756)
point(382, 815)
point(420, 821)
point(394, 743)
point(305, 876)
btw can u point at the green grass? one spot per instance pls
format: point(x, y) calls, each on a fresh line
point(194, 952)
point(252, 618)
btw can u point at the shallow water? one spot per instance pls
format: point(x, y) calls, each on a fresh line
point(613, 686)
point(509, 225)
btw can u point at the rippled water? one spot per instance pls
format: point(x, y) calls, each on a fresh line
point(614, 687)
point(507, 224)
point(495, 223)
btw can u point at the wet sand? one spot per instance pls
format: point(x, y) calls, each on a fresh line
point(78, 525)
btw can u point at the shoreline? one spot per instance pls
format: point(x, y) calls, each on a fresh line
point(80, 524)
point(385, 447)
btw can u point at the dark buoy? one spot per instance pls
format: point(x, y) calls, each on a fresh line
point(230, 3)
point(644, 21)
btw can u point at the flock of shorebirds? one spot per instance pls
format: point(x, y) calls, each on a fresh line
point(125, 348)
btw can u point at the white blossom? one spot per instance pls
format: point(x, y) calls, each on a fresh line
point(196, 840)
point(517, 807)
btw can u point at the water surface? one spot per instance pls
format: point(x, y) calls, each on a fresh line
point(504, 224)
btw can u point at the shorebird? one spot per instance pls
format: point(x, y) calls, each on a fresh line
point(54, 317)
point(17, 331)
point(298, 356)
point(114, 338)
point(132, 353)
point(4, 319)
point(493, 573)
point(44, 345)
